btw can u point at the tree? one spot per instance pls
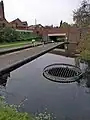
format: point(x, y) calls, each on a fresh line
point(65, 25)
point(74, 25)
point(81, 16)
point(10, 35)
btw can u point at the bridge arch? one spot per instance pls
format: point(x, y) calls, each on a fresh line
point(57, 37)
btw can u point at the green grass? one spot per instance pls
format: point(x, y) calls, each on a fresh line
point(15, 44)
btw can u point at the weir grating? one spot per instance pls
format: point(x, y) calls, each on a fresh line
point(62, 73)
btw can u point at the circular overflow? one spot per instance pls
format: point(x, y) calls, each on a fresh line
point(63, 73)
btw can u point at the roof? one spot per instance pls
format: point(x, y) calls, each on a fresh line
point(25, 23)
point(38, 25)
point(19, 23)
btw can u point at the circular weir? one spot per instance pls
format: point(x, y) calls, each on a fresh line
point(62, 73)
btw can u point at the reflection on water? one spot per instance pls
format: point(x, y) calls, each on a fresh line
point(87, 83)
point(66, 101)
point(86, 78)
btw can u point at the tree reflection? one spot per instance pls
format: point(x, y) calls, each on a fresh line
point(3, 79)
point(85, 82)
point(88, 83)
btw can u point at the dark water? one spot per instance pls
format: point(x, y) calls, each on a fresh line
point(69, 101)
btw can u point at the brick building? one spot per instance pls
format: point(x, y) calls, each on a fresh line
point(16, 24)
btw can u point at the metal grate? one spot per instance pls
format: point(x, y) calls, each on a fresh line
point(62, 73)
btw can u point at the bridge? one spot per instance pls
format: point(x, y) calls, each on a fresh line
point(12, 61)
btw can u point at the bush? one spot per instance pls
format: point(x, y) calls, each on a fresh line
point(8, 35)
point(84, 46)
point(85, 55)
point(9, 112)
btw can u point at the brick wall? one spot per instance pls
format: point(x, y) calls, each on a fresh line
point(73, 34)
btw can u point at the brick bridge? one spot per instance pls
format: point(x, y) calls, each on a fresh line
point(70, 34)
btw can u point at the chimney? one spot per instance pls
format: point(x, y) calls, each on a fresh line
point(2, 15)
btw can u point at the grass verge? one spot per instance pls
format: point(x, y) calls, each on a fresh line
point(14, 44)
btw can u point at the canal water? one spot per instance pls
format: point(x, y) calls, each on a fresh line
point(67, 101)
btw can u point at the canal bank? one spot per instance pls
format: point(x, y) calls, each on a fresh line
point(28, 82)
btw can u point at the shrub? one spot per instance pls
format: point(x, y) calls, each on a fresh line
point(84, 46)
point(9, 112)
point(85, 55)
point(8, 35)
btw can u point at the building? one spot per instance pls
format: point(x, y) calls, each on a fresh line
point(3, 21)
point(21, 26)
point(17, 24)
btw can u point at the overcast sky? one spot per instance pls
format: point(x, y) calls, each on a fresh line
point(47, 12)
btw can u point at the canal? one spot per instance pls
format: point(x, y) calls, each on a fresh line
point(67, 101)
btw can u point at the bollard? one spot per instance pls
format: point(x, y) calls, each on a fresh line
point(33, 42)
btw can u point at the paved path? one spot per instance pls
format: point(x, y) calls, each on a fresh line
point(11, 59)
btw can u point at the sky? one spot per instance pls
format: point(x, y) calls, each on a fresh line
point(46, 12)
